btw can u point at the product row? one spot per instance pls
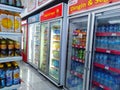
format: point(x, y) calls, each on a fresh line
point(107, 79)
point(9, 74)
point(9, 47)
point(16, 3)
point(109, 28)
point(108, 59)
point(75, 83)
point(10, 22)
point(112, 43)
point(78, 53)
point(77, 67)
point(79, 37)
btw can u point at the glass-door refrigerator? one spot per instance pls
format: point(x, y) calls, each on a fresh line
point(53, 43)
point(24, 39)
point(33, 40)
point(105, 74)
point(77, 56)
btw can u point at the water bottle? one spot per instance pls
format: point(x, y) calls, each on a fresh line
point(107, 28)
point(118, 28)
point(111, 28)
point(105, 59)
point(102, 28)
point(117, 62)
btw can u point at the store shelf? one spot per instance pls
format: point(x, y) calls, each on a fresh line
point(108, 51)
point(77, 59)
point(11, 87)
point(10, 8)
point(53, 67)
point(56, 40)
point(56, 34)
point(76, 74)
point(55, 49)
point(9, 59)
point(107, 68)
point(101, 86)
point(10, 34)
point(56, 59)
point(107, 34)
point(78, 46)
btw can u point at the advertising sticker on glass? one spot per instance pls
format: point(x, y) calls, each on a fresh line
point(31, 5)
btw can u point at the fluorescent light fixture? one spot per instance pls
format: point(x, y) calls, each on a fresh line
point(114, 21)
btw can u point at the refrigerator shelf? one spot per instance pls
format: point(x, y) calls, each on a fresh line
point(56, 59)
point(76, 74)
point(53, 67)
point(77, 59)
point(56, 40)
point(11, 8)
point(102, 50)
point(100, 85)
point(10, 59)
point(78, 46)
point(107, 68)
point(107, 34)
point(11, 87)
point(56, 34)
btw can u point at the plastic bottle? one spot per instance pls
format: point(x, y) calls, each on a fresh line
point(2, 76)
point(18, 3)
point(16, 73)
point(3, 1)
point(8, 74)
point(11, 2)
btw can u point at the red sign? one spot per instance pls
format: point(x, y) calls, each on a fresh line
point(76, 6)
point(51, 13)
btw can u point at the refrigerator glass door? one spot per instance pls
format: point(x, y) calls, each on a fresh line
point(76, 52)
point(55, 42)
point(30, 42)
point(36, 43)
point(44, 41)
point(106, 55)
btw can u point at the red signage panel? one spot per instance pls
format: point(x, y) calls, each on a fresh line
point(76, 6)
point(54, 12)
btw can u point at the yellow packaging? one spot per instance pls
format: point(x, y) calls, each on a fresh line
point(17, 23)
point(4, 21)
point(10, 22)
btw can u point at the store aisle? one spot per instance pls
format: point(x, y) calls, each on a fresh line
point(32, 80)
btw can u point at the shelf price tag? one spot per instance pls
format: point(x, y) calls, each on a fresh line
point(113, 34)
point(106, 67)
point(101, 86)
point(108, 51)
point(75, 73)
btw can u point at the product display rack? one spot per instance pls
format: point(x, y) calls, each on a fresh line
point(10, 34)
point(11, 88)
point(10, 8)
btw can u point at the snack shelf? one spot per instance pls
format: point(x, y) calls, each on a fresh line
point(107, 68)
point(108, 51)
point(9, 59)
point(10, 34)
point(101, 86)
point(77, 59)
point(107, 34)
point(10, 8)
point(76, 74)
point(78, 46)
point(13, 87)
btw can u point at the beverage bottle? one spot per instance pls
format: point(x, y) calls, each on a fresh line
point(118, 28)
point(18, 3)
point(11, 2)
point(104, 59)
point(102, 28)
point(111, 28)
point(2, 76)
point(107, 28)
point(3, 1)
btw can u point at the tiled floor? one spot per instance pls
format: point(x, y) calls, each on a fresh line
point(32, 80)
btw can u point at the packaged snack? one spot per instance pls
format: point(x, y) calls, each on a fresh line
point(10, 22)
point(17, 23)
point(4, 21)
